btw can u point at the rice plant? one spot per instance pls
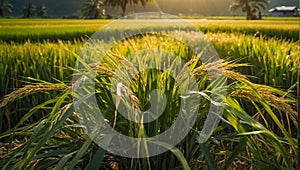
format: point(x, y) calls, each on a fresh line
point(58, 140)
point(272, 61)
point(23, 63)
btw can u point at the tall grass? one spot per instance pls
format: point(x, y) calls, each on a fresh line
point(53, 62)
point(272, 61)
point(23, 63)
point(277, 58)
point(57, 140)
point(39, 60)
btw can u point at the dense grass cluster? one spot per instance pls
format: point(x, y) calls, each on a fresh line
point(40, 129)
point(272, 61)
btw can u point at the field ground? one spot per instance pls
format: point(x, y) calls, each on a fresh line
point(39, 128)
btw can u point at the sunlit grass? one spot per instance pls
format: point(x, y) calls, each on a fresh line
point(21, 30)
point(40, 128)
point(272, 61)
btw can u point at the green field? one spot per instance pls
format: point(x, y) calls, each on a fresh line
point(41, 29)
point(39, 127)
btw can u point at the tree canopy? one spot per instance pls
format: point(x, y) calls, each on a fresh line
point(123, 3)
point(41, 11)
point(250, 7)
point(29, 9)
point(91, 9)
point(5, 7)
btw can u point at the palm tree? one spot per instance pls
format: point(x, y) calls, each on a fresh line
point(250, 7)
point(260, 5)
point(92, 9)
point(41, 11)
point(124, 3)
point(5, 7)
point(29, 9)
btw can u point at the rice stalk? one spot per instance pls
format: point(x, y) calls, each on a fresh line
point(28, 90)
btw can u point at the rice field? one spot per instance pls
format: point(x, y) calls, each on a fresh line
point(40, 127)
point(37, 30)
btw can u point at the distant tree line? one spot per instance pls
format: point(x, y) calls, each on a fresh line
point(5, 7)
point(91, 9)
point(29, 9)
point(94, 9)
